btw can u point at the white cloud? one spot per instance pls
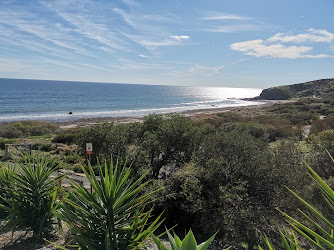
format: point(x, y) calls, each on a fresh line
point(143, 56)
point(205, 70)
point(180, 38)
point(229, 23)
point(312, 35)
point(220, 16)
point(233, 28)
point(273, 47)
point(260, 48)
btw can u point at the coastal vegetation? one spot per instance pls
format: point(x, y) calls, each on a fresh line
point(323, 88)
point(225, 172)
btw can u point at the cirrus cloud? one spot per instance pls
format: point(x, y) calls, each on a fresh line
point(180, 38)
point(312, 35)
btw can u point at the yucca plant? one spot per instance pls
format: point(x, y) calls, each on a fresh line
point(289, 241)
point(188, 243)
point(31, 202)
point(114, 215)
point(6, 185)
point(322, 237)
point(321, 233)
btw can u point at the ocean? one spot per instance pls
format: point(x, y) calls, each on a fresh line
point(44, 100)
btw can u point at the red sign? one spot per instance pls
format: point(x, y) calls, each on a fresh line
point(89, 148)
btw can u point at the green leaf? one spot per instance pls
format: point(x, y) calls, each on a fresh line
point(205, 245)
point(189, 242)
point(159, 244)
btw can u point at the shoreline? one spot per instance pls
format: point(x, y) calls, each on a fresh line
point(192, 114)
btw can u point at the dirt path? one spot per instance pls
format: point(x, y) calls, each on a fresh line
point(307, 129)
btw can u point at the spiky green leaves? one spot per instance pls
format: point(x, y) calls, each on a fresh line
point(32, 201)
point(188, 243)
point(114, 215)
point(318, 230)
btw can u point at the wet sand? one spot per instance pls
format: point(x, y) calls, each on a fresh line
point(190, 113)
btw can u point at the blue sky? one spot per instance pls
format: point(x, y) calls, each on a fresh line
point(239, 43)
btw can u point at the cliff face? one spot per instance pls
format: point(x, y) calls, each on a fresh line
point(318, 88)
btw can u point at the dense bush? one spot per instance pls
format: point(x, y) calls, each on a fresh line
point(4, 141)
point(279, 128)
point(66, 138)
point(321, 125)
point(224, 189)
point(329, 112)
point(167, 141)
point(8, 131)
point(316, 230)
point(26, 128)
point(45, 147)
point(108, 139)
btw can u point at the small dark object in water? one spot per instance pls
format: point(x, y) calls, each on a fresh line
point(70, 113)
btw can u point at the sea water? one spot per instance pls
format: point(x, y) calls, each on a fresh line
point(44, 100)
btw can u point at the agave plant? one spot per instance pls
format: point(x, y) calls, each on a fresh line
point(114, 215)
point(321, 233)
point(188, 243)
point(31, 202)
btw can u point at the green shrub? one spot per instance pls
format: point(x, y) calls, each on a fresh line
point(26, 128)
point(73, 159)
point(43, 147)
point(329, 112)
point(167, 140)
point(321, 125)
point(114, 215)
point(278, 127)
point(225, 188)
point(108, 139)
point(317, 229)
point(4, 141)
point(8, 131)
point(66, 138)
point(32, 202)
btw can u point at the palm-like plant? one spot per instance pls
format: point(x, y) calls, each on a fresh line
point(31, 202)
point(114, 215)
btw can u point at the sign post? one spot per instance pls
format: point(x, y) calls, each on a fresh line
point(89, 151)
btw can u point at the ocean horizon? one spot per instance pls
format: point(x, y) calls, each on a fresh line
point(48, 100)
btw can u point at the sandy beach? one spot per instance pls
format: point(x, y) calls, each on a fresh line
point(192, 114)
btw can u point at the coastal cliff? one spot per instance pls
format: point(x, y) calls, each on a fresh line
point(318, 88)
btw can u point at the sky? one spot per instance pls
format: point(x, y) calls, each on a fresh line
point(221, 43)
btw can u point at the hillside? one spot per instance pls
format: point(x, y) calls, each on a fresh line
point(318, 88)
